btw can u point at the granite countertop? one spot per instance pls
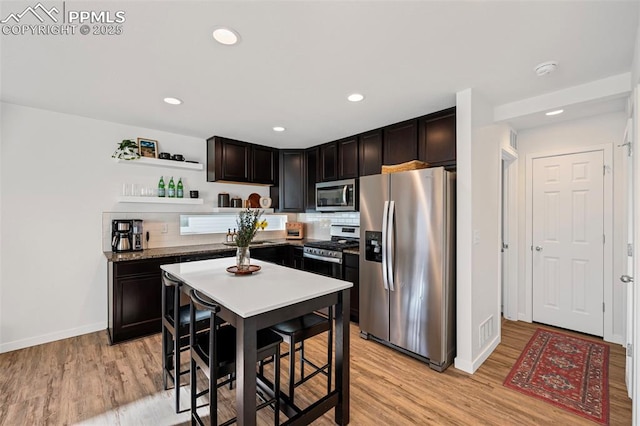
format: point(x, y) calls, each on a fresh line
point(355, 251)
point(153, 253)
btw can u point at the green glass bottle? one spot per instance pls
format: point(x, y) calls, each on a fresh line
point(172, 189)
point(161, 187)
point(180, 188)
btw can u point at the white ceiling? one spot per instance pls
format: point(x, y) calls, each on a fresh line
point(298, 61)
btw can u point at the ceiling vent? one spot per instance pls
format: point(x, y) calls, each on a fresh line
point(545, 68)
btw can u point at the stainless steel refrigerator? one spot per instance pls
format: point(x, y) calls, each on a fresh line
point(407, 262)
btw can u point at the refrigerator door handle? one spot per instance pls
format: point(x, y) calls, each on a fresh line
point(391, 244)
point(385, 215)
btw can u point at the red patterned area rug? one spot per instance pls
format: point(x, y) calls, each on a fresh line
point(568, 372)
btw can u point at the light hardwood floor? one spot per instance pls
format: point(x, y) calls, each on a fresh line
point(83, 380)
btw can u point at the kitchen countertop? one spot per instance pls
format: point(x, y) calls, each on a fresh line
point(355, 251)
point(273, 287)
point(194, 249)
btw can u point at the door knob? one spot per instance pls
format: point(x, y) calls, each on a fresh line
point(626, 279)
point(538, 248)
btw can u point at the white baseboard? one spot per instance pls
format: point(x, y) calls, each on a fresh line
point(51, 337)
point(471, 366)
point(523, 317)
point(615, 338)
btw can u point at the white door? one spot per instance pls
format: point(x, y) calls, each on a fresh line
point(568, 241)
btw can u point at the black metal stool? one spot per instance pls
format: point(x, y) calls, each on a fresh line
point(214, 353)
point(175, 336)
point(298, 330)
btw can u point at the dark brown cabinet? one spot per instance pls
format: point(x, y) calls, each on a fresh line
point(348, 158)
point(135, 295)
point(297, 257)
point(351, 273)
point(264, 165)
point(437, 138)
point(311, 158)
point(400, 142)
point(338, 160)
point(228, 160)
point(328, 163)
point(290, 193)
point(231, 160)
point(370, 153)
point(279, 255)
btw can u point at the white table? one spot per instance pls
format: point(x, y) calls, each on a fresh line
point(261, 300)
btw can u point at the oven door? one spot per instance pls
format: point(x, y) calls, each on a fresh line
point(322, 267)
point(335, 196)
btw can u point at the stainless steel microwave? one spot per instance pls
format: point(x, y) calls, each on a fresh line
point(337, 196)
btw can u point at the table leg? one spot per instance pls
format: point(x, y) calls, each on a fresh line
point(246, 358)
point(342, 357)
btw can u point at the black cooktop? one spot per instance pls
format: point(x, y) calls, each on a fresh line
point(338, 244)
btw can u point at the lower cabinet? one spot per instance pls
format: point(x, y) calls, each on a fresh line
point(278, 255)
point(351, 273)
point(297, 258)
point(135, 298)
point(135, 287)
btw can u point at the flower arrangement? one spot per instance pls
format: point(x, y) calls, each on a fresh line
point(248, 222)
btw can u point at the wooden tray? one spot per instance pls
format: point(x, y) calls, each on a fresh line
point(252, 268)
point(254, 201)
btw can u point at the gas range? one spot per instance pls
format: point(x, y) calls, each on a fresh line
point(342, 237)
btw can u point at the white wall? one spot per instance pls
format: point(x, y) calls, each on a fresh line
point(478, 231)
point(598, 130)
point(57, 178)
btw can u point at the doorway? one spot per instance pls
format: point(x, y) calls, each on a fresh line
point(568, 241)
point(568, 266)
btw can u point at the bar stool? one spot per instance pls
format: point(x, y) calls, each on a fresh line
point(175, 337)
point(298, 330)
point(214, 352)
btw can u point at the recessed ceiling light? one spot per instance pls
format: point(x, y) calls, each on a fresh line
point(545, 68)
point(226, 36)
point(355, 97)
point(173, 101)
point(556, 112)
point(278, 129)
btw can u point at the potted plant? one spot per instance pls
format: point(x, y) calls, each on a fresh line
point(127, 150)
point(248, 222)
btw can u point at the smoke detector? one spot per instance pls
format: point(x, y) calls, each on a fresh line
point(545, 68)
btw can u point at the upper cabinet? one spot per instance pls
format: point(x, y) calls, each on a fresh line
point(328, 164)
point(400, 142)
point(370, 153)
point(264, 165)
point(338, 160)
point(348, 158)
point(437, 138)
point(290, 194)
point(311, 177)
point(237, 161)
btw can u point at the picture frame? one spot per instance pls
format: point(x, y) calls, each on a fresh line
point(148, 148)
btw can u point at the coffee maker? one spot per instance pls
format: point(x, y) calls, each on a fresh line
point(126, 235)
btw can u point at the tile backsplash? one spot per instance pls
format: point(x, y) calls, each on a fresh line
point(318, 225)
point(164, 228)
